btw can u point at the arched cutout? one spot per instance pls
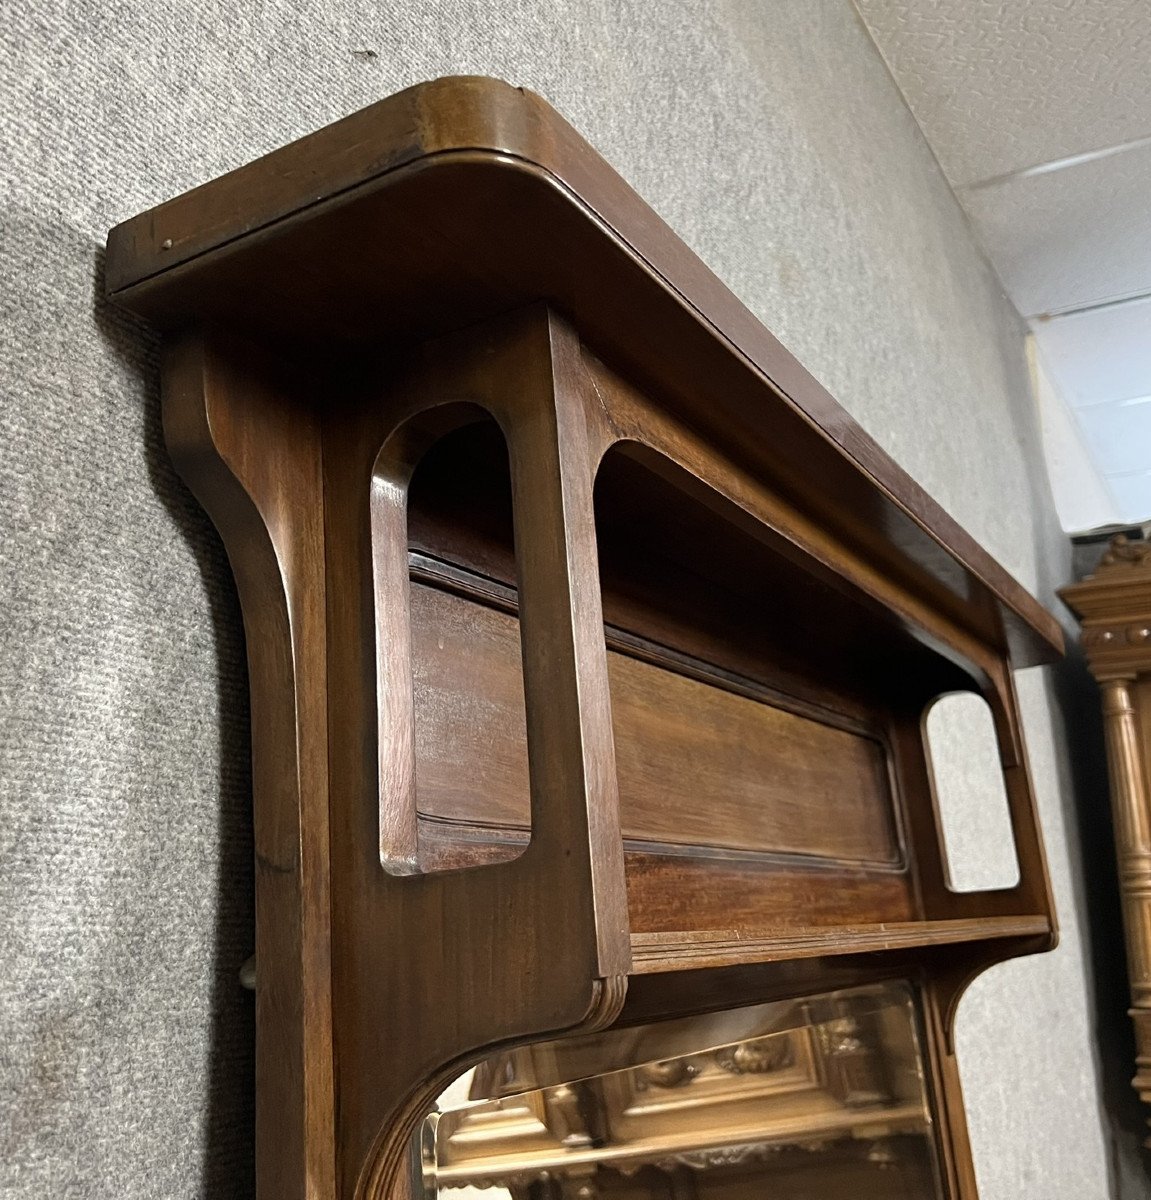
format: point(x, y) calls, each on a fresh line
point(740, 730)
point(441, 498)
point(970, 796)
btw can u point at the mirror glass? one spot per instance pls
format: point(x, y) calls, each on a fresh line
point(823, 1096)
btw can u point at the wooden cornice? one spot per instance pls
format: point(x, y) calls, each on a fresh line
point(1114, 606)
point(357, 236)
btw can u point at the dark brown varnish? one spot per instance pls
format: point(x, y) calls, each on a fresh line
point(589, 639)
point(699, 764)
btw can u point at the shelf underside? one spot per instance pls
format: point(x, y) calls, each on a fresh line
point(654, 953)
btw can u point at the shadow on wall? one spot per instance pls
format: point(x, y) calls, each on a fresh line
point(228, 1169)
point(1077, 697)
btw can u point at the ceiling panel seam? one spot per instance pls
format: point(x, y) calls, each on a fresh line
point(1056, 164)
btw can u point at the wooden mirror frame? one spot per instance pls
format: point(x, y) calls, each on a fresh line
point(330, 312)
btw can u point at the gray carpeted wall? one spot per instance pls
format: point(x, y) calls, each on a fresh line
point(772, 139)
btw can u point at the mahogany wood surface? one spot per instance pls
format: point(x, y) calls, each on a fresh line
point(545, 218)
point(590, 641)
point(698, 765)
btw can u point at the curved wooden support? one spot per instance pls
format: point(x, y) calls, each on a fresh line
point(499, 922)
point(491, 930)
point(244, 438)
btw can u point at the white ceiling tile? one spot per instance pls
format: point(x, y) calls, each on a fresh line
point(999, 86)
point(1133, 496)
point(1069, 238)
point(1099, 355)
point(1119, 435)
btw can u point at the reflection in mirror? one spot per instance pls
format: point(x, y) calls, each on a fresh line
point(818, 1097)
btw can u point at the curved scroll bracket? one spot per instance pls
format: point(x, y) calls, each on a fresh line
point(378, 981)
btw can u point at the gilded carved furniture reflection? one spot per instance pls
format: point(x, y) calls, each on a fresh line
point(822, 1082)
point(1114, 607)
point(590, 643)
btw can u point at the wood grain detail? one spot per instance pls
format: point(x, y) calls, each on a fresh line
point(676, 951)
point(699, 765)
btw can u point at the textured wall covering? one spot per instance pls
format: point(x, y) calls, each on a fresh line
point(772, 138)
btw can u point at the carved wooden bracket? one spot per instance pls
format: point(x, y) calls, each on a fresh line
point(589, 639)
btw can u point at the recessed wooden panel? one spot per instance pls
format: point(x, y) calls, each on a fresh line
point(699, 765)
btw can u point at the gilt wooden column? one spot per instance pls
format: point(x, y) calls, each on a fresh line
point(1114, 605)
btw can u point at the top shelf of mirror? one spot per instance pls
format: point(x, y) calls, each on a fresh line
point(465, 197)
